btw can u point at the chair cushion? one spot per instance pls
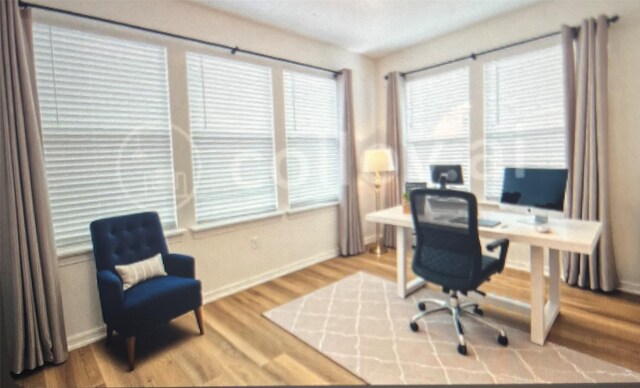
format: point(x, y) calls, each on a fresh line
point(132, 274)
point(158, 300)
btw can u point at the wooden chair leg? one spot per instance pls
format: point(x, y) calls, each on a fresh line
point(131, 352)
point(109, 335)
point(199, 318)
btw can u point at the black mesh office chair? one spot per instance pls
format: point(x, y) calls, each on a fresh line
point(448, 253)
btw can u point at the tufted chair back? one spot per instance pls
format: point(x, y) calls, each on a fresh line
point(127, 239)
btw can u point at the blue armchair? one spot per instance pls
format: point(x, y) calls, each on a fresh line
point(128, 239)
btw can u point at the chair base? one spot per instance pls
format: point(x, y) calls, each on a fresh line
point(456, 310)
point(378, 250)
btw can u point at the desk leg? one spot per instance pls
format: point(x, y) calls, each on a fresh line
point(401, 259)
point(543, 315)
point(552, 308)
point(537, 295)
point(404, 288)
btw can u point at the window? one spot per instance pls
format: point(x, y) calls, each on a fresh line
point(311, 111)
point(437, 130)
point(523, 114)
point(232, 135)
point(104, 106)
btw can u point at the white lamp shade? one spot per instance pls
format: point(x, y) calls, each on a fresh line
point(379, 160)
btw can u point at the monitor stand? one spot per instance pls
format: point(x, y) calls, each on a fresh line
point(443, 182)
point(536, 219)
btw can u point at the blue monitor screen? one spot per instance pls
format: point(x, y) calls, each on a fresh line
point(534, 187)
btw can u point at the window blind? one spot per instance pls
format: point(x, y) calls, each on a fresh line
point(523, 114)
point(437, 130)
point(311, 116)
point(104, 106)
point(232, 135)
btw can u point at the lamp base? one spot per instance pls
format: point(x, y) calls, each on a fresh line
point(378, 250)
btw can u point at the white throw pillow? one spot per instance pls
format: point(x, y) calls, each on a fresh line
point(132, 274)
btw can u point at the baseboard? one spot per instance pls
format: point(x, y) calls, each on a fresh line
point(524, 266)
point(519, 265)
point(230, 289)
point(629, 287)
point(370, 239)
point(88, 337)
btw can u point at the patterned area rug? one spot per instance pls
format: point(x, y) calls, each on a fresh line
point(361, 324)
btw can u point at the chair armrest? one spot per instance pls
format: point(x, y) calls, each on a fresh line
point(111, 294)
point(503, 243)
point(179, 265)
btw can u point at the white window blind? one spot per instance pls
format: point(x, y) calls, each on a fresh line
point(232, 135)
point(523, 114)
point(104, 105)
point(311, 111)
point(437, 130)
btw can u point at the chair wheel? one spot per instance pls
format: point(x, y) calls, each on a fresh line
point(462, 349)
point(503, 340)
point(413, 326)
point(422, 306)
point(478, 311)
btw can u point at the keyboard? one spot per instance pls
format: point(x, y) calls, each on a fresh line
point(481, 222)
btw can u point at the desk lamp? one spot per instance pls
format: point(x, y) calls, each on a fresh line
point(378, 161)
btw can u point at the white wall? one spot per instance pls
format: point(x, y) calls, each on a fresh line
point(225, 258)
point(624, 96)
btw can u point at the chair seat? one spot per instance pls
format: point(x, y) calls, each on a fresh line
point(490, 266)
point(441, 262)
point(158, 300)
point(445, 264)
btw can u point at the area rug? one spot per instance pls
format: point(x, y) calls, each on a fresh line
point(360, 323)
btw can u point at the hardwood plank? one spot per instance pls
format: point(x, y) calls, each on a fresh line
point(234, 363)
point(267, 338)
point(237, 333)
point(85, 368)
point(241, 347)
point(196, 363)
point(293, 371)
point(33, 379)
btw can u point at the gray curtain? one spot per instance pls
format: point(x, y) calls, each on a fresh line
point(31, 293)
point(393, 187)
point(349, 225)
point(585, 65)
point(5, 369)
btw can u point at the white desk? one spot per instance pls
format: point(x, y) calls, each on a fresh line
point(566, 235)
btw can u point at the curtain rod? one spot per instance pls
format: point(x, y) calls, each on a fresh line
point(473, 56)
point(233, 50)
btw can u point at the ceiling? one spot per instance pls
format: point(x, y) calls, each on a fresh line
point(370, 27)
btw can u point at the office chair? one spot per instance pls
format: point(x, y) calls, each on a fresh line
point(449, 254)
point(129, 239)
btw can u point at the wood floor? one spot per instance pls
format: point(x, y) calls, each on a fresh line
point(240, 347)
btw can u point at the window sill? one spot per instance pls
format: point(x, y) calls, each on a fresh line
point(312, 207)
point(489, 203)
point(70, 255)
point(197, 229)
point(74, 251)
point(175, 233)
point(74, 255)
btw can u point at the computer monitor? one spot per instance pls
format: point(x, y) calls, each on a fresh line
point(446, 173)
point(538, 191)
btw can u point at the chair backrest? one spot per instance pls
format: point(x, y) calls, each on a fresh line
point(448, 248)
point(126, 239)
